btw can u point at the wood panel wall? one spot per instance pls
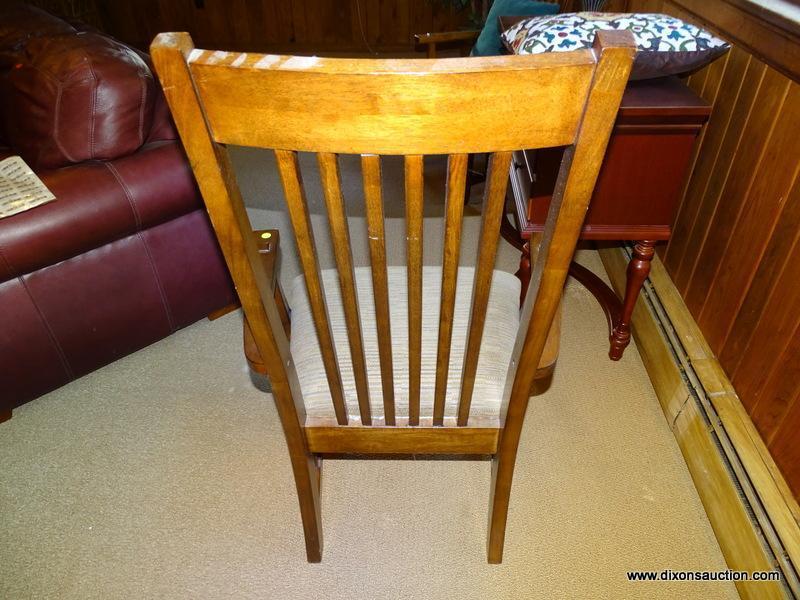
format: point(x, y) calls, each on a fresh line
point(301, 26)
point(293, 26)
point(735, 248)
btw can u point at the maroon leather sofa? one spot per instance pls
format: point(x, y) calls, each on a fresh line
point(125, 255)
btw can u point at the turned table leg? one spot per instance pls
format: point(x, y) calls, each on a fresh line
point(638, 270)
point(524, 271)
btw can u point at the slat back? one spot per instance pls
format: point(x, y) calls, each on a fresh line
point(340, 235)
point(454, 211)
point(408, 107)
point(371, 168)
point(414, 197)
point(496, 183)
point(304, 236)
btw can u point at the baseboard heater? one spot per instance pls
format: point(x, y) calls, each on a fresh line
point(697, 393)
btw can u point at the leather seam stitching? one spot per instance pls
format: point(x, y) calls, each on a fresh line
point(141, 108)
point(127, 192)
point(92, 113)
point(159, 284)
point(51, 334)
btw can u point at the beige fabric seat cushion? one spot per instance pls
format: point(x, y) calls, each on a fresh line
point(502, 320)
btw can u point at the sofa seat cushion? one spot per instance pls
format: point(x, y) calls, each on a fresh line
point(502, 321)
point(97, 203)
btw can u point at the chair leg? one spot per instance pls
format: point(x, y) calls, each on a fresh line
point(306, 467)
point(502, 476)
point(221, 312)
point(308, 477)
point(498, 512)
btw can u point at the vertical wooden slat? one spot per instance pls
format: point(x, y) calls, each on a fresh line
point(340, 236)
point(772, 334)
point(728, 185)
point(454, 209)
point(780, 389)
point(371, 171)
point(747, 162)
point(493, 206)
point(285, 25)
point(304, 237)
point(414, 211)
point(697, 80)
point(710, 93)
point(299, 21)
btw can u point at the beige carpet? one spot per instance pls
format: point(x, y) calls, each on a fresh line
point(165, 475)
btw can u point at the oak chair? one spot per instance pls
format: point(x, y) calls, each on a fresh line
point(464, 40)
point(403, 107)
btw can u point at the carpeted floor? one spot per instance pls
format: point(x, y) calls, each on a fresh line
point(165, 475)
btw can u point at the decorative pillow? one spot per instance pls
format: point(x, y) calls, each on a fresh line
point(667, 46)
point(489, 42)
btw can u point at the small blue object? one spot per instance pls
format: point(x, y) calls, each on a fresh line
point(488, 43)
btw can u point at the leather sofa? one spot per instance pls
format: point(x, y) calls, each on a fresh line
point(125, 255)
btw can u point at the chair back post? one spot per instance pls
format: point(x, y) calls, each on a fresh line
point(215, 177)
point(614, 52)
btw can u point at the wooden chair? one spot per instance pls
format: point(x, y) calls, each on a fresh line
point(409, 108)
point(463, 40)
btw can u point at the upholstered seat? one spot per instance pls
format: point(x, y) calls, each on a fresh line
point(498, 339)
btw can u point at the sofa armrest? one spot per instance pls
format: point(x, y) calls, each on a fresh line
point(97, 203)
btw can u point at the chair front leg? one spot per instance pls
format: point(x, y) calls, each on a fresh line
point(268, 242)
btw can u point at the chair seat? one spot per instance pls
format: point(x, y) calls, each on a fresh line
point(502, 322)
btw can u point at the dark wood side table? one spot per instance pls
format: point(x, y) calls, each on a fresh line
point(636, 195)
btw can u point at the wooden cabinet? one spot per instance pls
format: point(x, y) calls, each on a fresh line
point(640, 184)
point(637, 192)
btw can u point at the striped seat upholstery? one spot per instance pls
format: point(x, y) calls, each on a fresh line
point(502, 321)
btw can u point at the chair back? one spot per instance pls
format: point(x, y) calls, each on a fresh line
point(403, 107)
point(413, 107)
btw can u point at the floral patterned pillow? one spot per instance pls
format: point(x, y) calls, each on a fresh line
point(667, 46)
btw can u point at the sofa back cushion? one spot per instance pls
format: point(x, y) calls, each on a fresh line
point(76, 97)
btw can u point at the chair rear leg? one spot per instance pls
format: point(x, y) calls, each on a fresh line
point(498, 515)
point(308, 477)
point(502, 476)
